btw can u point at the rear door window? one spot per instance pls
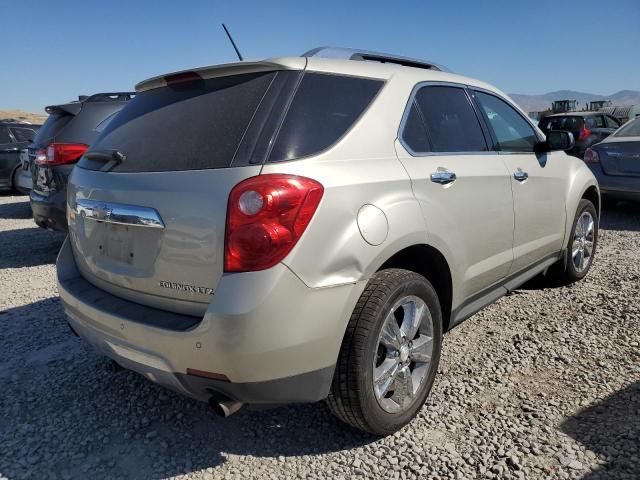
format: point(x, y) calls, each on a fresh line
point(595, 122)
point(414, 134)
point(23, 134)
point(513, 133)
point(323, 109)
point(450, 120)
point(611, 122)
point(5, 138)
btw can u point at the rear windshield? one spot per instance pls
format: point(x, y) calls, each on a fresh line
point(631, 129)
point(561, 123)
point(234, 120)
point(52, 127)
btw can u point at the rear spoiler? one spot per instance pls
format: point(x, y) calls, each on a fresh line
point(225, 69)
point(74, 107)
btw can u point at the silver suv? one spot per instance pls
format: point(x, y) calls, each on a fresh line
point(306, 228)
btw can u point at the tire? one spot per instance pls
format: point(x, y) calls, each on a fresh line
point(353, 398)
point(572, 272)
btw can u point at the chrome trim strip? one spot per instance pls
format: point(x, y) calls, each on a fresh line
point(118, 213)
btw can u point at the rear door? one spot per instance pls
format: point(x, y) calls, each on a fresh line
point(598, 127)
point(538, 182)
point(148, 202)
point(9, 157)
point(463, 188)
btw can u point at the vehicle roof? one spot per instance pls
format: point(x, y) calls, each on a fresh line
point(576, 114)
point(74, 106)
point(362, 68)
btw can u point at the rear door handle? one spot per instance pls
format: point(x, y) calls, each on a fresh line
point(444, 177)
point(520, 175)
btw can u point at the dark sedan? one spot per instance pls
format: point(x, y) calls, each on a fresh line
point(616, 163)
point(588, 128)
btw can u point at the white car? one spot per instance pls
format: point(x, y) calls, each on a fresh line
point(307, 228)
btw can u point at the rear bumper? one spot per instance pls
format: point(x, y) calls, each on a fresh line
point(50, 211)
point(266, 338)
point(23, 184)
point(616, 186)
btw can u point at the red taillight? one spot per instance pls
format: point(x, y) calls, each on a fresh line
point(181, 77)
point(60, 154)
point(584, 133)
point(591, 156)
point(266, 216)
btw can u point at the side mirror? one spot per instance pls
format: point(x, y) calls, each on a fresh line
point(557, 140)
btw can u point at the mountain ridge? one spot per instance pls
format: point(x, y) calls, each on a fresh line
point(536, 103)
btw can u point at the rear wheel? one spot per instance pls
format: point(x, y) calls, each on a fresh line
point(389, 355)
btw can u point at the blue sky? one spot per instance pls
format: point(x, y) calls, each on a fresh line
point(59, 49)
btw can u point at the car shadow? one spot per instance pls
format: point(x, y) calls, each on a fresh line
point(29, 247)
point(64, 411)
point(16, 210)
point(611, 429)
point(621, 216)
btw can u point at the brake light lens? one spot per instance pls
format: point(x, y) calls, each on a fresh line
point(266, 216)
point(584, 133)
point(61, 154)
point(591, 156)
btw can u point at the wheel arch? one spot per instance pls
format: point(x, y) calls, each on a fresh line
point(431, 264)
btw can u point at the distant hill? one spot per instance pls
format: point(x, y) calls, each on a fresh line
point(37, 118)
point(537, 103)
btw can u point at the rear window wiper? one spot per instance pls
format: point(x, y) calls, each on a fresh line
point(111, 157)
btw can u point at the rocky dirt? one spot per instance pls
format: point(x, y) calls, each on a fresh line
point(36, 118)
point(543, 384)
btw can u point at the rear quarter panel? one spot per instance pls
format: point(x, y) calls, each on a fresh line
point(361, 169)
point(579, 180)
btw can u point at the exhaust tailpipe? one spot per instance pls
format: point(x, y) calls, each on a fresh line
point(224, 408)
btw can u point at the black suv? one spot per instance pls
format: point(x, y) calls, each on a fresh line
point(14, 135)
point(59, 144)
point(588, 128)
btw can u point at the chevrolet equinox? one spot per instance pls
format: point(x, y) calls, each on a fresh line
point(307, 228)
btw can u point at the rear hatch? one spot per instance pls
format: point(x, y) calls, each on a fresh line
point(78, 122)
point(147, 203)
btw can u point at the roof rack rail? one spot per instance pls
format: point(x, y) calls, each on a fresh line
point(366, 55)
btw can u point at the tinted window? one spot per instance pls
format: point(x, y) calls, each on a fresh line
point(595, 122)
point(414, 133)
point(4, 135)
point(23, 134)
point(513, 133)
point(52, 127)
point(452, 125)
point(103, 124)
point(571, 123)
point(631, 129)
point(323, 109)
point(611, 122)
point(186, 126)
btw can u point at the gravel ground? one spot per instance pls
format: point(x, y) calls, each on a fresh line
point(543, 384)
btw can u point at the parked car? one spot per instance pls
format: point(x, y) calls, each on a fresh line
point(306, 228)
point(615, 162)
point(14, 136)
point(588, 128)
point(59, 144)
